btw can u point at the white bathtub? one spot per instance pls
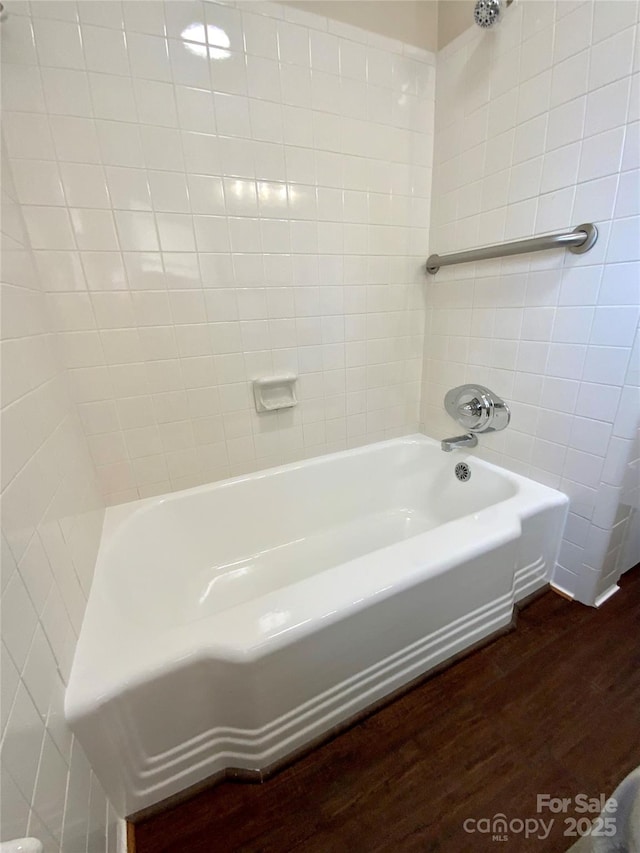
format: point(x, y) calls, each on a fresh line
point(231, 624)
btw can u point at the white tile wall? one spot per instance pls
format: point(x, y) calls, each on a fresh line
point(214, 193)
point(51, 522)
point(537, 130)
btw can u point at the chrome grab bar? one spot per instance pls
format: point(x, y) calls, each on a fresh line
point(580, 240)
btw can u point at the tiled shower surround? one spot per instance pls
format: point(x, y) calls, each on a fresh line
point(216, 193)
point(537, 131)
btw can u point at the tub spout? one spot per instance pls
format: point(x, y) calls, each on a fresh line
point(468, 440)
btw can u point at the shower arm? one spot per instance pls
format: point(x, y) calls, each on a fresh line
point(580, 240)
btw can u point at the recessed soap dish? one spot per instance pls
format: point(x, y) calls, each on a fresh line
point(275, 392)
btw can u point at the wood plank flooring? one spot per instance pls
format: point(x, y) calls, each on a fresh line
point(553, 707)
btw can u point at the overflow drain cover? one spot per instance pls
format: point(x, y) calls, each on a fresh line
point(463, 472)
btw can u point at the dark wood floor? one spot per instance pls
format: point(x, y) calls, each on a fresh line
point(553, 707)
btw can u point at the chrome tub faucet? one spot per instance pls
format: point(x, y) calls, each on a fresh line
point(468, 440)
point(477, 409)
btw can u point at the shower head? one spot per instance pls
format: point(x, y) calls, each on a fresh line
point(488, 12)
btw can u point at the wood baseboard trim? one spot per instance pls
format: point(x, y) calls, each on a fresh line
point(131, 838)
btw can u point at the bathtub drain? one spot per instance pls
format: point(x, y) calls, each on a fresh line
point(463, 472)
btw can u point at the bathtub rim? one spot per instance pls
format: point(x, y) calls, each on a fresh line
point(119, 514)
